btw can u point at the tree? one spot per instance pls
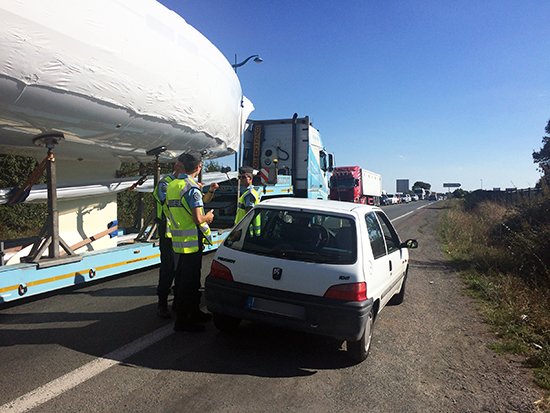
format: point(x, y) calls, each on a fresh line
point(212, 166)
point(420, 184)
point(459, 193)
point(20, 220)
point(542, 157)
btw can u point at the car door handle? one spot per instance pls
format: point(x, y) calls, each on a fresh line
point(390, 266)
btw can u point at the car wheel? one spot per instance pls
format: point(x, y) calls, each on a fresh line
point(359, 350)
point(226, 323)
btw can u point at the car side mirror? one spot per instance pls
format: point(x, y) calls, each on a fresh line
point(410, 243)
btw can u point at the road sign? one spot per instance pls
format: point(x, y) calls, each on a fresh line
point(451, 185)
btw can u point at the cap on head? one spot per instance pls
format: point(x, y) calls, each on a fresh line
point(191, 156)
point(246, 170)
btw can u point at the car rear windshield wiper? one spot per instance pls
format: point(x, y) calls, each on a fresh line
point(308, 255)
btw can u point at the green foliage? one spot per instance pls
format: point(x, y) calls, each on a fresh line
point(503, 252)
point(525, 235)
point(459, 193)
point(420, 184)
point(26, 220)
point(542, 157)
point(212, 166)
point(20, 220)
point(128, 202)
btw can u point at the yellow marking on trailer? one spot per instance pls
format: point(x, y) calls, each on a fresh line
point(81, 273)
point(52, 279)
point(118, 264)
point(10, 288)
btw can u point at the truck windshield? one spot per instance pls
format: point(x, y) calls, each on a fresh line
point(296, 235)
point(342, 182)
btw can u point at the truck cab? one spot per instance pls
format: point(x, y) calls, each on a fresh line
point(291, 148)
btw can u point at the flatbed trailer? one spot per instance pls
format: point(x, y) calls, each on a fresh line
point(28, 279)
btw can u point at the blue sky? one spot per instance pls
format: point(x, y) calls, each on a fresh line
point(427, 90)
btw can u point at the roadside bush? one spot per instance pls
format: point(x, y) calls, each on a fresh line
point(503, 252)
point(525, 236)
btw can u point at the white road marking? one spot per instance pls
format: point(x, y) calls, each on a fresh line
point(411, 212)
point(72, 379)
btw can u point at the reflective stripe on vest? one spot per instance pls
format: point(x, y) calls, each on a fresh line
point(185, 236)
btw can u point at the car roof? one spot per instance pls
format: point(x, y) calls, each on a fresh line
point(317, 204)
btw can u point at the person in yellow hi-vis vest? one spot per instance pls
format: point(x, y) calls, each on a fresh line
point(189, 229)
point(167, 267)
point(248, 199)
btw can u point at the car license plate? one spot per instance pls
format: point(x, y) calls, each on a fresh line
point(276, 307)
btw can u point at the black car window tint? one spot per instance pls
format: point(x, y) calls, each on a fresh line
point(375, 235)
point(390, 235)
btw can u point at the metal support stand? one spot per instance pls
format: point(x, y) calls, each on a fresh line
point(151, 219)
point(49, 235)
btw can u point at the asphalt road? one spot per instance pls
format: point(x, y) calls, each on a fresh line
point(100, 347)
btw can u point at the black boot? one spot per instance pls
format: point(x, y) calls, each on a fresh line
point(162, 310)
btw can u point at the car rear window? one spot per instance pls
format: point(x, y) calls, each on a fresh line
point(296, 235)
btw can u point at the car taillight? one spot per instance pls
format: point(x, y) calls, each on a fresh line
point(220, 271)
point(350, 292)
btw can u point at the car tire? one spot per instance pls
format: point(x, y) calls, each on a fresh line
point(400, 296)
point(359, 350)
point(226, 323)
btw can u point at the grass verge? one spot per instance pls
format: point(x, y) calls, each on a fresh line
point(503, 253)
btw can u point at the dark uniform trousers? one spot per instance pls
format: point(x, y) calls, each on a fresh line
point(167, 270)
point(189, 282)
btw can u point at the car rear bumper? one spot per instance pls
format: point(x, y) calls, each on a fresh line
point(343, 320)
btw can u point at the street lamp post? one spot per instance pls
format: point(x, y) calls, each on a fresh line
point(256, 57)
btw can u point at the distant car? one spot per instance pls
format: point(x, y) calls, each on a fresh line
point(414, 197)
point(432, 197)
point(399, 199)
point(392, 199)
point(323, 267)
point(406, 198)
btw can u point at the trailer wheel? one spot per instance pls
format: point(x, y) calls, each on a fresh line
point(22, 290)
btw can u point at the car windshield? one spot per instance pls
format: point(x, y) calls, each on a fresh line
point(296, 235)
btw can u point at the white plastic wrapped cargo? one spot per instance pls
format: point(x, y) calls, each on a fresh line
point(117, 77)
point(77, 190)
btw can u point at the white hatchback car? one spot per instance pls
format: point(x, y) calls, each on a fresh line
point(324, 267)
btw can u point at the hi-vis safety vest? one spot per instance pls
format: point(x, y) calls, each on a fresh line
point(185, 235)
point(241, 210)
point(161, 208)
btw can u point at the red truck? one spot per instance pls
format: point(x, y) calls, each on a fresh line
point(354, 184)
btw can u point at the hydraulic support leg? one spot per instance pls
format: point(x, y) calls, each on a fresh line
point(151, 221)
point(49, 235)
